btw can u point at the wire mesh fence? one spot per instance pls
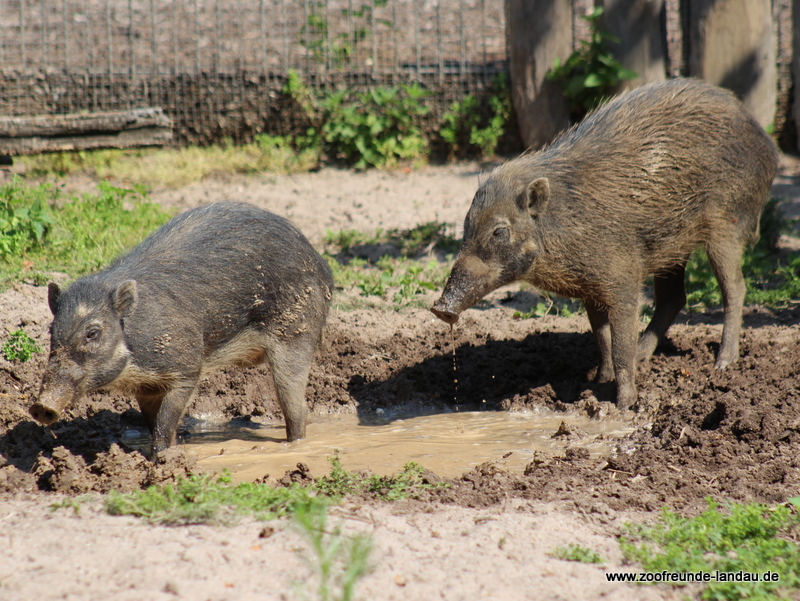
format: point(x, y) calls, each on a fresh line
point(217, 67)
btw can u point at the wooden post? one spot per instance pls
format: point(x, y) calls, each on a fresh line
point(638, 26)
point(538, 32)
point(732, 44)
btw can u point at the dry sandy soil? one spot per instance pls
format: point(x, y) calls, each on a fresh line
point(733, 435)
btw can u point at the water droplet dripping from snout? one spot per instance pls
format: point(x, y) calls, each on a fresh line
point(455, 366)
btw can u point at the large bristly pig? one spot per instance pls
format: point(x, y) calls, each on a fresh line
point(629, 192)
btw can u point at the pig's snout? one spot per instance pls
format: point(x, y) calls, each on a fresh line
point(443, 312)
point(43, 414)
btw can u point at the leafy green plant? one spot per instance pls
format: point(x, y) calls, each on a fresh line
point(577, 553)
point(19, 346)
point(750, 538)
point(337, 561)
point(468, 128)
point(207, 499)
point(590, 74)
point(25, 218)
point(374, 128)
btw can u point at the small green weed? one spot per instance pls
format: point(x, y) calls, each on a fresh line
point(344, 240)
point(468, 128)
point(411, 243)
point(338, 561)
point(404, 278)
point(577, 553)
point(749, 538)
point(590, 74)
point(19, 346)
point(339, 482)
point(73, 503)
point(424, 238)
point(207, 499)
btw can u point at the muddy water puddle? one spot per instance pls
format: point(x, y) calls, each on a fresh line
point(448, 444)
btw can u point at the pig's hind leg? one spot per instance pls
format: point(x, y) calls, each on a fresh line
point(725, 256)
point(290, 362)
point(670, 298)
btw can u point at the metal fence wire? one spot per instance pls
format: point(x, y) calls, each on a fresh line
point(217, 67)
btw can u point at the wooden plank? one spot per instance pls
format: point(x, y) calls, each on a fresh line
point(84, 131)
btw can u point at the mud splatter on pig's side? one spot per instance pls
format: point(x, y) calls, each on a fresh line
point(629, 192)
point(223, 284)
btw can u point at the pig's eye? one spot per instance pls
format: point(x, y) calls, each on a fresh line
point(92, 334)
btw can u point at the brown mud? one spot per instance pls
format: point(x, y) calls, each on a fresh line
point(732, 434)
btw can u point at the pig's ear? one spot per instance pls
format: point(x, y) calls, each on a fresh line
point(538, 196)
point(53, 294)
point(124, 298)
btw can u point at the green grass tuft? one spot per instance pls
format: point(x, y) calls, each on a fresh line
point(78, 235)
point(750, 538)
point(208, 499)
point(340, 482)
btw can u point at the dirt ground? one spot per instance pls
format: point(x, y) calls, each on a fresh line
point(732, 435)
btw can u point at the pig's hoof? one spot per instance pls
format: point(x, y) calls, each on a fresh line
point(723, 362)
point(626, 399)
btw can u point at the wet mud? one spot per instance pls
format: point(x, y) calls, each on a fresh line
point(732, 434)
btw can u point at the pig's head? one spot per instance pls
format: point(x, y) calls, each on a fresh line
point(500, 241)
point(87, 346)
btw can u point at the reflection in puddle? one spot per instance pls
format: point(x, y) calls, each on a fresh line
point(448, 444)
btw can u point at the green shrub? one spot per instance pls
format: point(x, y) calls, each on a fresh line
point(374, 128)
point(469, 128)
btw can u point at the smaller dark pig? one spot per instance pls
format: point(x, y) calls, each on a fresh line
point(223, 284)
point(629, 192)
